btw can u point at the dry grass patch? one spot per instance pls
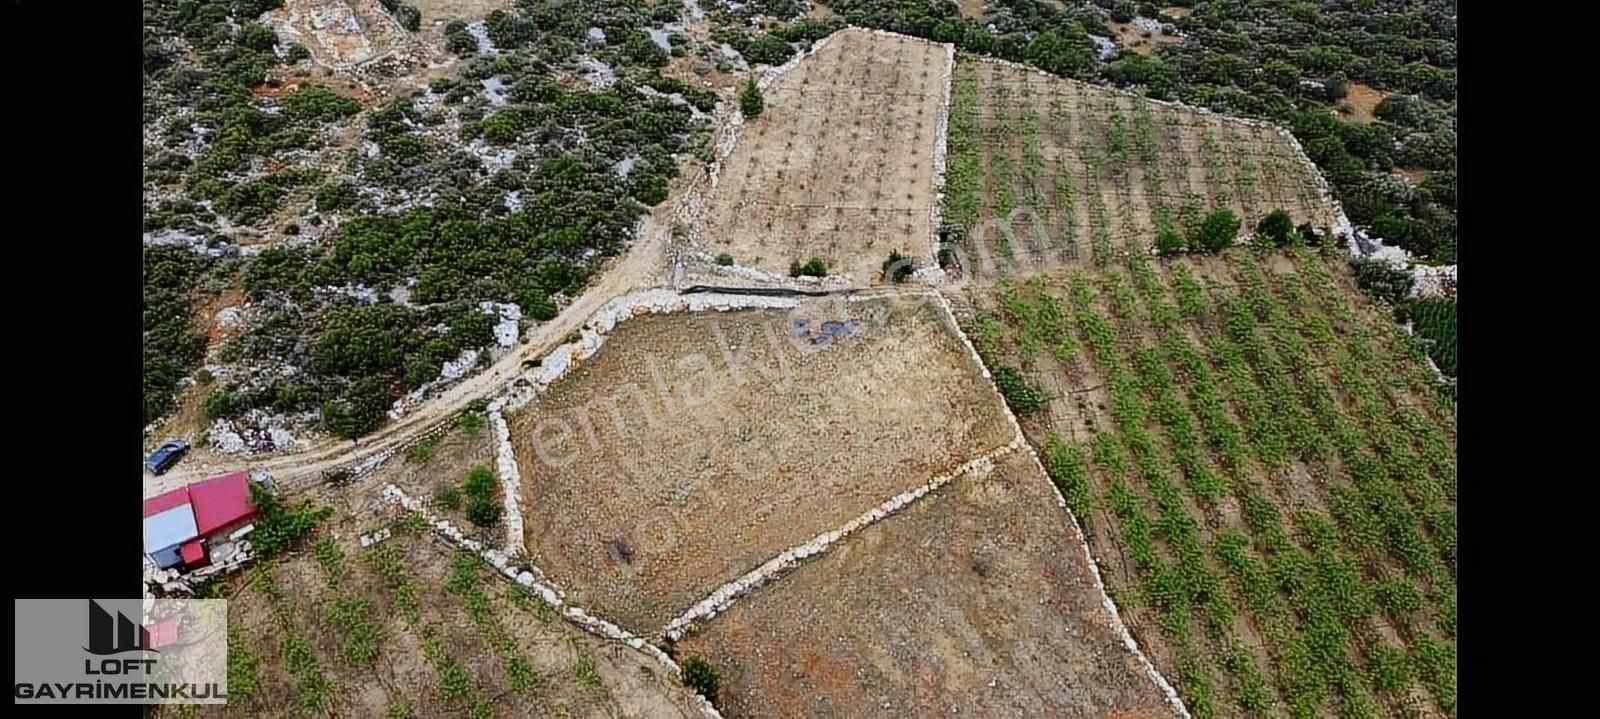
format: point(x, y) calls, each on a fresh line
point(706, 469)
point(976, 601)
point(839, 165)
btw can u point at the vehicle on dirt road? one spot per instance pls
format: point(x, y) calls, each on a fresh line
point(166, 455)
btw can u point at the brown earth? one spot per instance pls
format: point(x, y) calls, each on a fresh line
point(628, 684)
point(1139, 40)
point(1414, 175)
point(339, 33)
point(839, 165)
point(975, 601)
point(1358, 105)
point(691, 481)
point(423, 474)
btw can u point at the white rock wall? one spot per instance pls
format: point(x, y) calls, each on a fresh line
point(941, 137)
point(510, 483)
point(723, 597)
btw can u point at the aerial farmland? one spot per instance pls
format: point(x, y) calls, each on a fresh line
point(789, 359)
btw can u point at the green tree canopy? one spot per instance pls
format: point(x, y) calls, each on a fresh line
point(1216, 232)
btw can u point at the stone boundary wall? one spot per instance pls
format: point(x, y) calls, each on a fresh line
point(533, 578)
point(724, 596)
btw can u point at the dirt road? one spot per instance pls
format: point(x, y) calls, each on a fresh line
point(642, 266)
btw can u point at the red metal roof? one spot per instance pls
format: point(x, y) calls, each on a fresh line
point(163, 633)
point(161, 503)
point(221, 501)
point(193, 553)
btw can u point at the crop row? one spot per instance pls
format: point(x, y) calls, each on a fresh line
point(1375, 455)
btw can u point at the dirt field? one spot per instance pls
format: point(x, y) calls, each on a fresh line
point(1099, 169)
point(1414, 175)
point(432, 466)
point(971, 8)
point(652, 514)
point(1359, 104)
point(976, 601)
point(839, 165)
point(339, 33)
point(509, 656)
point(1134, 38)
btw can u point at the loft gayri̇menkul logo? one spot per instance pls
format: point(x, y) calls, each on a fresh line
point(126, 636)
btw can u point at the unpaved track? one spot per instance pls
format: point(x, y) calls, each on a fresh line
point(641, 266)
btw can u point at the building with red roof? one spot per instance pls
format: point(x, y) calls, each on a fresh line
point(221, 503)
point(168, 522)
point(177, 524)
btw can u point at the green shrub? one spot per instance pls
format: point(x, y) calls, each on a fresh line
point(725, 259)
point(699, 676)
point(277, 526)
point(1216, 232)
point(750, 100)
point(421, 451)
point(898, 267)
point(359, 410)
point(815, 267)
point(1023, 397)
point(483, 512)
point(448, 497)
point(1169, 241)
point(480, 482)
point(410, 18)
point(1436, 326)
point(1382, 281)
point(224, 403)
point(318, 104)
point(1276, 229)
point(539, 306)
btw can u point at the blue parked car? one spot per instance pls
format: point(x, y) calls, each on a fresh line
point(166, 455)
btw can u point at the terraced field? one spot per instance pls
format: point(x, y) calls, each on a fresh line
point(1040, 164)
point(1265, 469)
point(410, 627)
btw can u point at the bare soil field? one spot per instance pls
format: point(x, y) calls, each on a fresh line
point(412, 627)
point(1358, 105)
point(694, 447)
point(976, 601)
point(339, 33)
point(839, 165)
point(1139, 40)
point(1414, 175)
point(437, 13)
